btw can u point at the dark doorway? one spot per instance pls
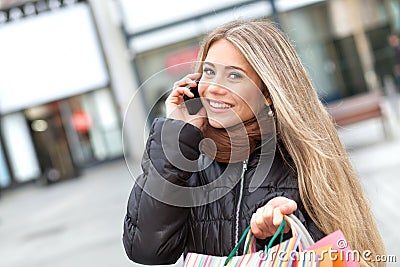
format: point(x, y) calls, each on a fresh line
point(50, 142)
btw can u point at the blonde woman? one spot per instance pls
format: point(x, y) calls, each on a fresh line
point(310, 174)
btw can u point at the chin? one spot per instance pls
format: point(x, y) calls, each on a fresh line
point(221, 124)
point(215, 124)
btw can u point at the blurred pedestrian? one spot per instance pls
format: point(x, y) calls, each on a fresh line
point(311, 173)
point(394, 42)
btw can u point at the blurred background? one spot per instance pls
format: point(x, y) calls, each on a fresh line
point(69, 70)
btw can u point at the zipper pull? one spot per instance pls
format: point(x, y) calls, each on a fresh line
point(245, 165)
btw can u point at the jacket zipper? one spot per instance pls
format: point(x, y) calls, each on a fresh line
point(239, 202)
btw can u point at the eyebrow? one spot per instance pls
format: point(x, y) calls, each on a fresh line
point(226, 67)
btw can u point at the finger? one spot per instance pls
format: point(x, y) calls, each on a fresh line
point(278, 217)
point(188, 80)
point(178, 93)
point(195, 76)
point(191, 83)
point(263, 225)
point(289, 207)
point(173, 99)
point(268, 214)
point(278, 201)
point(188, 92)
point(257, 232)
point(259, 220)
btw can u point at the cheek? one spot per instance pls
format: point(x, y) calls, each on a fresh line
point(247, 99)
point(252, 103)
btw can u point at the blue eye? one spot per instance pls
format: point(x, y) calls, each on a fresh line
point(208, 71)
point(235, 75)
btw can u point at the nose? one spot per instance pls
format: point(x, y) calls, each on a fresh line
point(216, 89)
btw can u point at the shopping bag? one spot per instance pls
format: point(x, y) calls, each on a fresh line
point(334, 248)
point(331, 251)
point(284, 254)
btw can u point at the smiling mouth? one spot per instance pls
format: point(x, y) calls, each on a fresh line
point(219, 105)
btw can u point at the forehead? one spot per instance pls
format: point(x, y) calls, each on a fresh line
point(225, 53)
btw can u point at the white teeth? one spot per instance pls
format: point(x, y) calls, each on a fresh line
point(219, 105)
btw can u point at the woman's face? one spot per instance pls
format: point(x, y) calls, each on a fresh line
point(229, 86)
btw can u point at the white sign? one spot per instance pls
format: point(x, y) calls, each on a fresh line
point(52, 55)
point(142, 15)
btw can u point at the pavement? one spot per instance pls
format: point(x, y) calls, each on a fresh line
point(73, 223)
point(79, 222)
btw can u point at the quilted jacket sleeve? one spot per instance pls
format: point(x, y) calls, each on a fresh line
point(155, 231)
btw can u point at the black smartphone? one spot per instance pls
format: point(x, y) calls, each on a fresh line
point(194, 104)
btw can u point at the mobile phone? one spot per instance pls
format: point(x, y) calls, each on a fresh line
point(194, 104)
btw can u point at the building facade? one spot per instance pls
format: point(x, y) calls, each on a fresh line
point(58, 110)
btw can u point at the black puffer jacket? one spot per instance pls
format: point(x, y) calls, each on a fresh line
point(158, 233)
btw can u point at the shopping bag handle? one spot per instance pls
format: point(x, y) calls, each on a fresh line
point(298, 229)
point(306, 239)
point(247, 233)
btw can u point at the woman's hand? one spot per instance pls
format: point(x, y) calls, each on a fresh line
point(266, 220)
point(175, 106)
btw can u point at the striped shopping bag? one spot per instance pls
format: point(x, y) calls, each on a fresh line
point(285, 254)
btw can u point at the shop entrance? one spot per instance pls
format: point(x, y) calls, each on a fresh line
point(50, 142)
point(55, 141)
point(75, 133)
point(93, 128)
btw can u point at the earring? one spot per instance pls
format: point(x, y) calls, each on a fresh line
point(270, 113)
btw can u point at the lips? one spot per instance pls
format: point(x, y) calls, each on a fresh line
point(218, 106)
point(222, 105)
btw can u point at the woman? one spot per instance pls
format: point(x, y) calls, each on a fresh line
point(311, 174)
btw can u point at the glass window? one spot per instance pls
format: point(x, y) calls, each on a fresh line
point(309, 29)
point(20, 148)
point(105, 135)
point(4, 175)
point(92, 126)
point(159, 69)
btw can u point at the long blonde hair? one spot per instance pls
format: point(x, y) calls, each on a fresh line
point(329, 187)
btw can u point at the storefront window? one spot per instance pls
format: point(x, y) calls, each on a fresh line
point(92, 126)
point(160, 68)
point(325, 37)
point(105, 131)
point(56, 140)
point(309, 30)
point(4, 175)
point(20, 148)
point(393, 12)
